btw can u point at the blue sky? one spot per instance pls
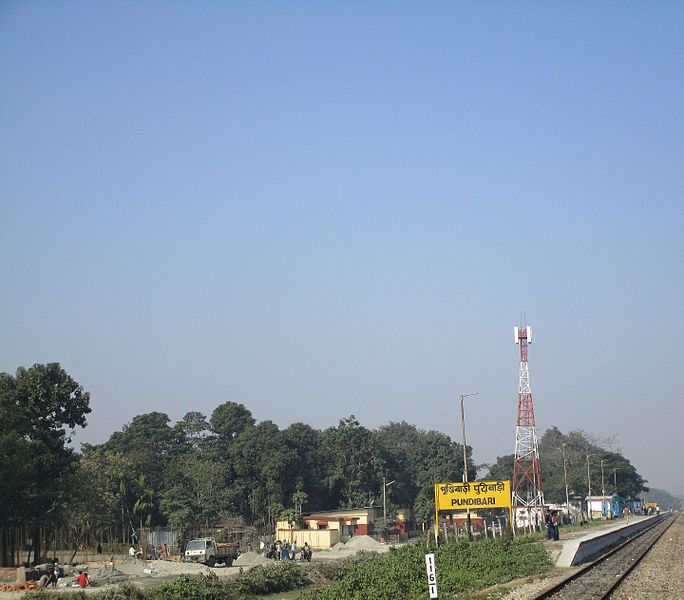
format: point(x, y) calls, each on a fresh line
point(325, 209)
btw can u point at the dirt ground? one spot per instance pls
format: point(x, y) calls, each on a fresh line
point(148, 573)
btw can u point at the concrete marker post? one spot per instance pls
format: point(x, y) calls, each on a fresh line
point(431, 569)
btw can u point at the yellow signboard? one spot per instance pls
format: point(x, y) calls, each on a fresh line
point(473, 495)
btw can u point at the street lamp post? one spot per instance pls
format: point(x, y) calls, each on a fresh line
point(465, 458)
point(603, 490)
point(385, 485)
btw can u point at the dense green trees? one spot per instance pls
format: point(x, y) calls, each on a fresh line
point(420, 459)
point(230, 419)
point(106, 486)
point(192, 473)
point(40, 408)
point(355, 463)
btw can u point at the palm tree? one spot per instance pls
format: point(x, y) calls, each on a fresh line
point(143, 504)
point(299, 499)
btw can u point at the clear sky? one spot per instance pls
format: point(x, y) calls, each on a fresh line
point(320, 209)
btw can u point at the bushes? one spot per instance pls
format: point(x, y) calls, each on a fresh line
point(461, 567)
point(189, 587)
point(268, 579)
point(46, 595)
point(123, 591)
point(469, 567)
point(336, 569)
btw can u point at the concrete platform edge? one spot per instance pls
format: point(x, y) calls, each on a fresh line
point(577, 552)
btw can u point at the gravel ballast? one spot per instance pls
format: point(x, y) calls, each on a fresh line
point(660, 574)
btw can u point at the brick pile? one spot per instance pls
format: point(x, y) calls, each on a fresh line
point(18, 587)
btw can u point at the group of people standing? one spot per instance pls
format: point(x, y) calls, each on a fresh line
point(281, 550)
point(163, 553)
point(552, 532)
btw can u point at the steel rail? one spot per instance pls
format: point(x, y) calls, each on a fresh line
point(551, 592)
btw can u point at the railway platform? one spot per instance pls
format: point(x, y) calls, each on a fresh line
point(568, 550)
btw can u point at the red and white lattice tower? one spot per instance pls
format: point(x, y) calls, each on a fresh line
point(527, 480)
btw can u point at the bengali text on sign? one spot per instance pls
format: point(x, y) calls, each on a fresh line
point(475, 494)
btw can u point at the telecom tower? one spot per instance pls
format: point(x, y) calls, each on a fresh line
point(527, 480)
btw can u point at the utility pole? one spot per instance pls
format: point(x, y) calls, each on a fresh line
point(565, 476)
point(465, 458)
point(589, 509)
point(384, 500)
point(603, 490)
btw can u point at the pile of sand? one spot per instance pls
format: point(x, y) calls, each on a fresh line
point(168, 567)
point(134, 569)
point(250, 559)
point(261, 559)
point(246, 559)
point(160, 568)
point(363, 542)
point(106, 575)
point(338, 547)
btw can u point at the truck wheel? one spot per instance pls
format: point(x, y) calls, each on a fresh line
point(211, 562)
point(229, 562)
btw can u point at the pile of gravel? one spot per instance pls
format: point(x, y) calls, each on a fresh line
point(107, 575)
point(338, 547)
point(661, 573)
point(364, 542)
point(134, 569)
point(164, 568)
point(250, 559)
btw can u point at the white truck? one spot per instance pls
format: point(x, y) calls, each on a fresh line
point(209, 552)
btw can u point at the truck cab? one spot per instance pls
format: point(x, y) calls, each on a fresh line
point(208, 552)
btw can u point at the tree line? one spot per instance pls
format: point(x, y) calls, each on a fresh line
point(192, 473)
point(581, 460)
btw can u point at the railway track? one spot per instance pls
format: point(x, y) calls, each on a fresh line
point(599, 579)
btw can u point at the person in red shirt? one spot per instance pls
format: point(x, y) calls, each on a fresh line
point(82, 579)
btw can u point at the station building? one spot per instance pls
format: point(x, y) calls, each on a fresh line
point(324, 529)
point(605, 507)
